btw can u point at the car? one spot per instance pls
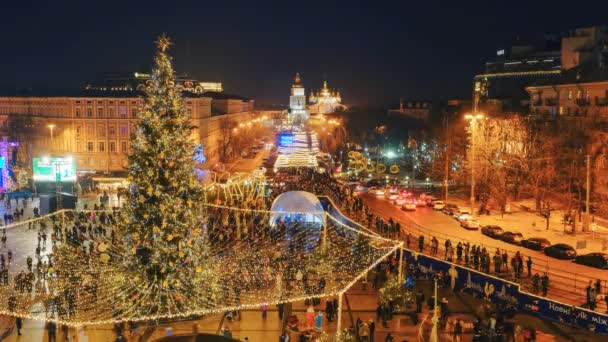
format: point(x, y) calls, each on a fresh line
point(462, 215)
point(400, 200)
point(512, 237)
point(390, 196)
point(438, 205)
point(376, 191)
point(450, 209)
point(360, 188)
point(409, 205)
point(420, 203)
point(536, 243)
point(597, 260)
point(470, 223)
point(561, 251)
point(430, 201)
point(492, 231)
point(393, 190)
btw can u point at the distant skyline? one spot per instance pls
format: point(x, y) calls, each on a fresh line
point(373, 52)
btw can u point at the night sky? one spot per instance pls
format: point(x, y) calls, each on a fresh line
point(375, 51)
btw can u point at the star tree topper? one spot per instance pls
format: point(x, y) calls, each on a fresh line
point(163, 42)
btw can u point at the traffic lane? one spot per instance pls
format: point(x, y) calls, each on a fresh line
point(444, 226)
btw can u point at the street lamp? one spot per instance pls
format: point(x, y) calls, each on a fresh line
point(473, 118)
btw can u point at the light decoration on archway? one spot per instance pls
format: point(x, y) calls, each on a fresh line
point(245, 268)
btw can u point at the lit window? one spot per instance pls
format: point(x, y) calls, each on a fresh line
point(102, 146)
point(569, 94)
point(561, 110)
point(123, 130)
point(90, 147)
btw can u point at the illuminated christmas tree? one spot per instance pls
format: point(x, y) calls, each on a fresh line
point(161, 219)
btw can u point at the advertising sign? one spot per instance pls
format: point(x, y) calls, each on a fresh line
point(286, 139)
point(495, 289)
point(54, 169)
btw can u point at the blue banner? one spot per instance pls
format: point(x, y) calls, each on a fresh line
point(496, 289)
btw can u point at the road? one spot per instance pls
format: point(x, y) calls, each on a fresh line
point(565, 276)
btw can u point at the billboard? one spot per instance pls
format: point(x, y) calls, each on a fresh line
point(286, 139)
point(53, 169)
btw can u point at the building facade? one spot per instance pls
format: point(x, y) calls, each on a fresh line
point(325, 101)
point(297, 102)
point(95, 126)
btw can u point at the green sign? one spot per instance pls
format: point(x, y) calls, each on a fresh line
point(54, 169)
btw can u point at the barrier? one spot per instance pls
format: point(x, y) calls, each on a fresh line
point(499, 290)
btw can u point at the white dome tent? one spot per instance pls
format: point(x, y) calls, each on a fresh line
point(300, 206)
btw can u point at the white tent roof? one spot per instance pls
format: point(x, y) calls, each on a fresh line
point(291, 203)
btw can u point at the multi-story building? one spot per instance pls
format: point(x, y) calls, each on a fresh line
point(297, 102)
point(501, 87)
point(94, 125)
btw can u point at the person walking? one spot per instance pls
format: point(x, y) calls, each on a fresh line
point(419, 301)
point(51, 329)
point(372, 329)
point(19, 325)
point(457, 330)
point(529, 266)
point(544, 283)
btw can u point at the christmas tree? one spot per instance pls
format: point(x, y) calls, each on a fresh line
point(161, 219)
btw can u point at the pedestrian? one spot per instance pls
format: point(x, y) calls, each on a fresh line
point(19, 325)
point(51, 329)
point(592, 298)
point(421, 243)
point(264, 310)
point(606, 301)
point(389, 338)
point(544, 283)
point(372, 329)
point(459, 252)
point(419, 301)
point(529, 266)
point(457, 330)
point(536, 281)
point(588, 293)
point(598, 286)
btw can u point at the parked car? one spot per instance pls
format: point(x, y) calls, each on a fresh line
point(597, 260)
point(512, 237)
point(409, 205)
point(536, 243)
point(470, 223)
point(376, 191)
point(450, 209)
point(561, 251)
point(463, 214)
point(492, 231)
point(438, 205)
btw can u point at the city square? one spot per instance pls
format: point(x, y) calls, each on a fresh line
point(356, 177)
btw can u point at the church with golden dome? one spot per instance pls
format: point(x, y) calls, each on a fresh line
point(325, 101)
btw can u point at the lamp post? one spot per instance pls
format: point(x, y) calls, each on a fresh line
point(435, 320)
point(473, 118)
